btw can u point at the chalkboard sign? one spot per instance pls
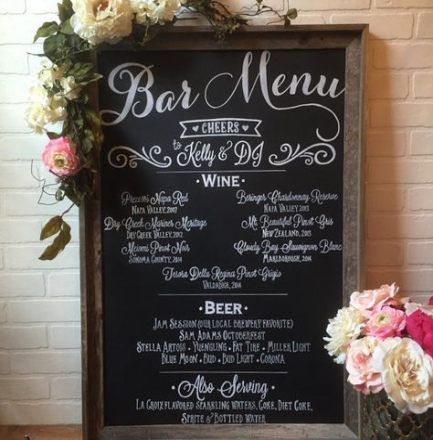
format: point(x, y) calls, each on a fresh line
point(226, 231)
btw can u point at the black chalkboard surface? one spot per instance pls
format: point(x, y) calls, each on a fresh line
point(222, 235)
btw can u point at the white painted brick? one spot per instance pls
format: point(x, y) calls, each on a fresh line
point(388, 85)
point(18, 176)
point(403, 3)
point(24, 257)
point(420, 253)
point(328, 5)
point(14, 89)
point(405, 226)
point(403, 55)
point(39, 362)
point(383, 254)
point(401, 114)
point(420, 198)
point(12, 118)
point(420, 280)
point(26, 203)
point(66, 388)
point(65, 336)
point(388, 171)
point(19, 231)
point(21, 147)
point(421, 142)
point(423, 85)
point(21, 284)
point(306, 18)
point(386, 143)
point(5, 364)
point(3, 306)
point(24, 389)
point(42, 6)
point(425, 25)
point(59, 310)
point(20, 28)
point(58, 413)
point(12, 7)
point(64, 284)
point(384, 199)
point(383, 26)
point(23, 337)
point(13, 59)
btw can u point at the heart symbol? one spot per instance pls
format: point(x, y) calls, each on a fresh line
point(195, 128)
point(245, 127)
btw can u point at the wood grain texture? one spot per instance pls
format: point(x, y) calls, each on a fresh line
point(40, 433)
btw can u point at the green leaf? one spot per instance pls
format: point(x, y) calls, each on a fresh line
point(65, 10)
point(53, 135)
point(58, 244)
point(67, 28)
point(47, 29)
point(53, 46)
point(51, 227)
point(292, 13)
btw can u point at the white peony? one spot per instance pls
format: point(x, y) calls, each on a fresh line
point(407, 374)
point(150, 12)
point(98, 21)
point(342, 330)
point(44, 109)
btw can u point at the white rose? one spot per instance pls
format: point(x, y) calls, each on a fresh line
point(407, 374)
point(99, 21)
point(155, 11)
point(342, 330)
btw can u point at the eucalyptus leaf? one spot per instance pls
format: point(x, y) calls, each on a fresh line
point(59, 243)
point(47, 29)
point(52, 227)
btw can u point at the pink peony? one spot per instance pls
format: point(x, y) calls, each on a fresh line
point(386, 323)
point(419, 325)
point(369, 301)
point(60, 158)
point(359, 366)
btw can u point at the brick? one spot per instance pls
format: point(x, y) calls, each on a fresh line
point(420, 198)
point(388, 86)
point(383, 26)
point(24, 257)
point(21, 147)
point(24, 204)
point(423, 85)
point(18, 338)
point(5, 365)
point(384, 199)
point(47, 413)
point(306, 18)
point(16, 29)
point(19, 231)
point(65, 336)
point(405, 226)
point(3, 312)
point(403, 3)
point(425, 25)
point(21, 284)
point(236, 5)
point(64, 310)
point(329, 5)
point(415, 280)
point(24, 389)
point(388, 171)
point(421, 142)
point(386, 143)
point(12, 119)
point(64, 284)
point(386, 114)
point(17, 176)
point(42, 7)
point(383, 254)
point(12, 7)
point(40, 362)
point(420, 253)
point(13, 59)
point(403, 55)
point(14, 89)
point(66, 388)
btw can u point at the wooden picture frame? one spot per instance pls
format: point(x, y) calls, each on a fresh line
point(352, 39)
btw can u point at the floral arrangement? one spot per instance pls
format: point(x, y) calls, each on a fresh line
point(60, 105)
point(385, 342)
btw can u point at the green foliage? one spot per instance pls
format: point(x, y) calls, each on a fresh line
point(55, 226)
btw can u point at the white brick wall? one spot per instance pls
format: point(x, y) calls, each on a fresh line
point(39, 305)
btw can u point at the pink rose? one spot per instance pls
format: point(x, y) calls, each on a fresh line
point(386, 323)
point(419, 325)
point(371, 300)
point(60, 158)
point(359, 366)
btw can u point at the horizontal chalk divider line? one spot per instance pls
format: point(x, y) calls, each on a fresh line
point(223, 294)
point(220, 171)
point(223, 372)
